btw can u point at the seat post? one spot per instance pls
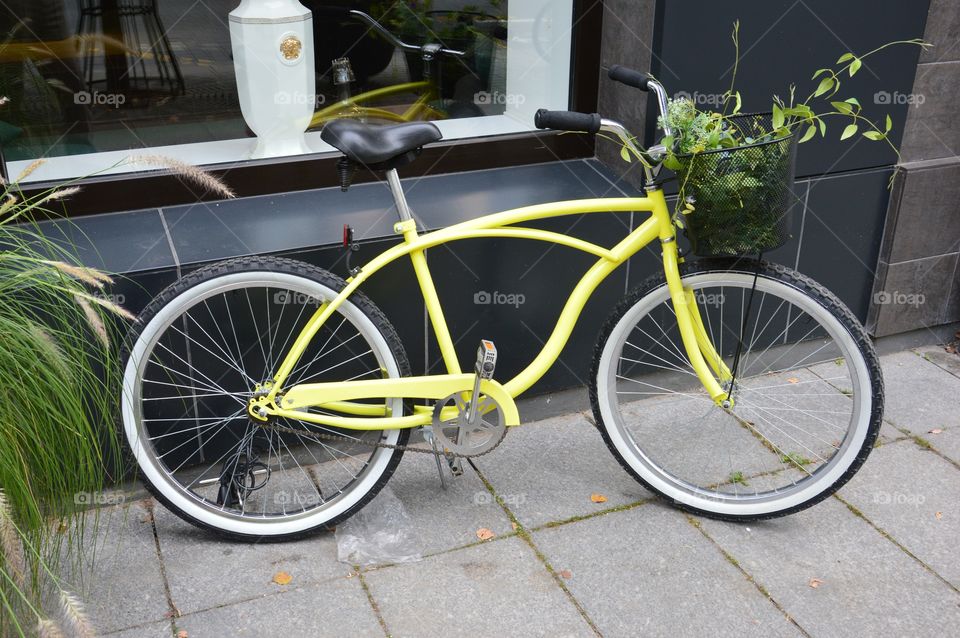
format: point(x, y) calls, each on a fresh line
point(403, 209)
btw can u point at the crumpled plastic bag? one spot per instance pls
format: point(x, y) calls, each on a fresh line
point(380, 533)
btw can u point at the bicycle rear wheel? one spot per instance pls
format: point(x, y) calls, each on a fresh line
point(808, 394)
point(202, 347)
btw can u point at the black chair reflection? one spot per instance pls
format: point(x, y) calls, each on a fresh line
point(135, 58)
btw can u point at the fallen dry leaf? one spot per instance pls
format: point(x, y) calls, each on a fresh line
point(183, 634)
point(513, 526)
point(485, 534)
point(815, 582)
point(282, 578)
point(935, 431)
point(565, 573)
point(598, 498)
point(939, 515)
point(793, 380)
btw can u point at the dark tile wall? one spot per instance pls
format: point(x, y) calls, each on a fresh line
point(688, 48)
point(919, 284)
point(931, 131)
point(628, 40)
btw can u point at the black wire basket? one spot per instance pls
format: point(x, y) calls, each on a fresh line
point(742, 195)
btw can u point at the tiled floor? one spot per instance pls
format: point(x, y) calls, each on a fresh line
point(881, 553)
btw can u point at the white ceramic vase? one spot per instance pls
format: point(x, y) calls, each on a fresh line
point(272, 44)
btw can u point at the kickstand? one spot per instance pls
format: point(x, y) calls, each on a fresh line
point(428, 434)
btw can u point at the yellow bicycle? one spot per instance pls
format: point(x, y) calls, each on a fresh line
point(265, 398)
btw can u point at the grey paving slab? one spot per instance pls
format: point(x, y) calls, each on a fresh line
point(649, 572)
point(836, 373)
point(151, 630)
point(335, 608)
point(919, 395)
point(902, 488)
point(868, 585)
point(204, 571)
point(445, 518)
point(120, 579)
point(699, 443)
point(947, 443)
point(546, 471)
point(498, 588)
point(949, 361)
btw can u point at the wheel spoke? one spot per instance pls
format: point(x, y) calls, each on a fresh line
point(778, 434)
point(202, 362)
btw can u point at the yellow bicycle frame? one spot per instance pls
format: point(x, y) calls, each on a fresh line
point(278, 400)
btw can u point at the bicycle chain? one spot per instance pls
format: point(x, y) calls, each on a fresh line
point(325, 436)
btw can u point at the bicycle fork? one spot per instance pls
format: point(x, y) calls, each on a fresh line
point(707, 363)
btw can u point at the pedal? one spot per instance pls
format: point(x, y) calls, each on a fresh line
point(456, 465)
point(486, 359)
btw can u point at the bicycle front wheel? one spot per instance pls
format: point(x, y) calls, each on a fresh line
point(807, 392)
point(201, 349)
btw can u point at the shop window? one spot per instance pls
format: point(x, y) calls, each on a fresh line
point(88, 82)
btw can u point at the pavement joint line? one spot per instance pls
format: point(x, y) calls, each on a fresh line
point(878, 442)
point(248, 599)
point(375, 568)
point(586, 517)
point(923, 355)
point(926, 446)
point(373, 603)
point(516, 534)
point(753, 581)
point(144, 624)
point(884, 533)
point(173, 611)
point(524, 534)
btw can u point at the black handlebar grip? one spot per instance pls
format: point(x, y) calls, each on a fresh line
point(623, 75)
point(332, 12)
point(567, 121)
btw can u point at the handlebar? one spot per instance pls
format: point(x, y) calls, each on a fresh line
point(594, 123)
point(568, 121)
point(584, 123)
point(344, 12)
point(623, 75)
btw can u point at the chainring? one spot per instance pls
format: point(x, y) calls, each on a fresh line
point(456, 436)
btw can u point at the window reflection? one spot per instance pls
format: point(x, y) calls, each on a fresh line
point(394, 84)
point(85, 76)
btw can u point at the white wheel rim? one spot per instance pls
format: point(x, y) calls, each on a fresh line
point(702, 499)
point(189, 503)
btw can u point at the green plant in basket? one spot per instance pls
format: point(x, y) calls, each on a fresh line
point(736, 170)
